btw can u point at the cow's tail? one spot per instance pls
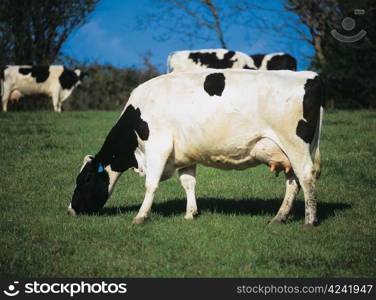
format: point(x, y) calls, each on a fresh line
point(2, 76)
point(315, 146)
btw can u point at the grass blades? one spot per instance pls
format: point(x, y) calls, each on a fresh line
point(41, 153)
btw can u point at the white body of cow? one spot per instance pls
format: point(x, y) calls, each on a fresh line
point(228, 119)
point(54, 81)
point(188, 60)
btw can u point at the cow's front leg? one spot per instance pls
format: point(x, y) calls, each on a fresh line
point(157, 152)
point(187, 178)
point(56, 102)
point(59, 105)
point(292, 189)
point(144, 211)
point(5, 99)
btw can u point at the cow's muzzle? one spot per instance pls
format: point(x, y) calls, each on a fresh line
point(71, 212)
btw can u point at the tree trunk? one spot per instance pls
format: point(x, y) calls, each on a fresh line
point(319, 50)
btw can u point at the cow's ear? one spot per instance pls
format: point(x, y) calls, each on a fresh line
point(88, 158)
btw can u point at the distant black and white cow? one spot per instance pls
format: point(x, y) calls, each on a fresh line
point(274, 61)
point(230, 119)
point(186, 60)
point(55, 81)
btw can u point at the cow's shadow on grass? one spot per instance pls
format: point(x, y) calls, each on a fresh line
point(248, 206)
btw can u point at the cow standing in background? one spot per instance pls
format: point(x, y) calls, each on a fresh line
point(54, 81)
point(191, 60)
point(228, 119)
point(186, 60)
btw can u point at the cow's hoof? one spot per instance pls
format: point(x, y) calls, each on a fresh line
point(138, 220)
point(190, 216)
point(275, 221)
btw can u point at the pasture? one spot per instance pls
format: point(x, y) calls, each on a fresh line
point(41, 153)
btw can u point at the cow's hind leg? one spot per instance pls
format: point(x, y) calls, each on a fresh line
point(292, 189)
point(187, 178)
point(158, 151)
point(305, 174)
point(302, 165)
point(308, 185)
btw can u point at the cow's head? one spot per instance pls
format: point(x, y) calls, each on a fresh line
point(92, 188)
point(81, 76)
point(99, 173)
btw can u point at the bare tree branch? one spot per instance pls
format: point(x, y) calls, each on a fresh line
point(210, 19)
point(217, 23)
point(35, 30)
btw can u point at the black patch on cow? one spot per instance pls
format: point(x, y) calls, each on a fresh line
point(211, 60)
point(25, 71)
point(312, 101)
point(91, 192)
point(68, 79)
point(214, 84)
point(40, 73)
point(120, 144)
point(2, 75)
point(282, 62)
point(257, 59)
point(92, 183)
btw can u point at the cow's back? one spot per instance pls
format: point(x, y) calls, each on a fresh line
point(195, 94)
point(187, 60)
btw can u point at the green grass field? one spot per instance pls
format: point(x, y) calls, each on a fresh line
point(41, 153)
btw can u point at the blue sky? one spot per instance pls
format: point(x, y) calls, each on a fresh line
point(113, 36)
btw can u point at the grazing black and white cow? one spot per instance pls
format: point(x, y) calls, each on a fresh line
point(230, 119)
point(55, 81)
point(274, 61)
point(187, 60)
